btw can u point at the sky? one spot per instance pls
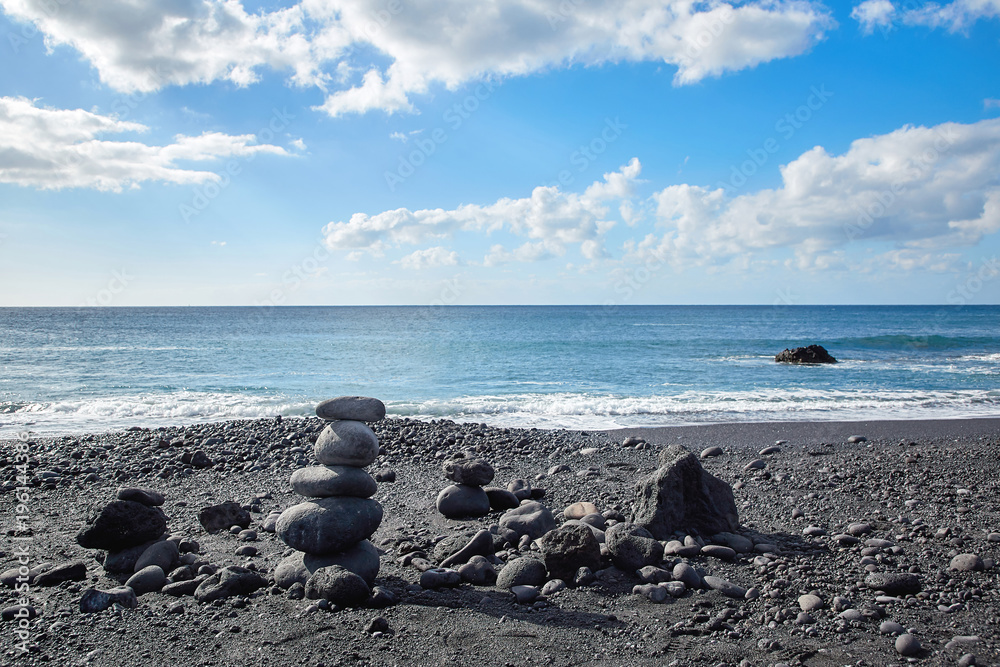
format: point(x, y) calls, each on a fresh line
point(356, 152)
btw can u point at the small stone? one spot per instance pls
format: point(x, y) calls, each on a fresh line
point(907, 645)
point(227, 582)
point(756, 464)
point(165, 554)
point(352, 408)
point(247, 550)
point(440, 577)
point(481, 544)
point(673, 588)
point(813, 531)
point(149, 579)
point(553, 586)
point(580, 510)
point(200, 459)
point(19, 612)
point(532, 519)
point(710, 452)
point(387, 475)
point(810, 602)
point(891, 628)
point(967, 563)
point(632, 546)
point(568, 548)
point(71, 571)
point(727, 588)
point(382, 598)
point(346, 443)
point(525, 594)
point(520, 488)
point(651, 592)
point(967, 660)
point(894, 583)
point(768, 451)
point(147, 497)
point(851, 615)
point(378, 624)
point(94, 600)
point(337, 585)
point(522, 572)
point(653, 575)
point(501, 499)
point(858, 529)
point(855, 439)
point(462, 500)
point(687, 575)
point(478, 572)
point(717, 551)
point(122, 524)
point(329, 525)
point(474, 472)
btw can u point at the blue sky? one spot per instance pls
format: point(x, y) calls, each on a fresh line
point(199, 152)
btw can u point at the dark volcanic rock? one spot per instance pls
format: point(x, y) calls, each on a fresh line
point(532, 519)
point(522, 572)
point(337, 585)
point(632, 547)
point(224, 516)
point(227, 582)
point(94, 600)
point(481, 544)
point(147, 497)
point(362, 559)
point(72, 571)
point(682, 495)
point(122, 524)
point(568, 548)
point(329, 525)
point(813, 354)
point(476, 472)
point(458, 500)
point(894, 583)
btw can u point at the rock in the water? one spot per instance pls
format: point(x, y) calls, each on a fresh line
point(894, 583)
point(532, 519)
point(352, 408)
point(346, 443)
point(147, 580)
point(94, 600)
point(967, 563)
point(681, 495)
point(329, 525)
point(165, 554)
point(501, 499)
point(72, 571)
point(337, 585)
point(632, 547)
point(326, 481)
point(475, 472)
point(481, 544)
point(223, 517)
point(229, 581)
point(147, 497)
point(122, 524)
point(568, 548)
point(459, 500)
point(812, 354)
point(521, 572)
point(362, 559)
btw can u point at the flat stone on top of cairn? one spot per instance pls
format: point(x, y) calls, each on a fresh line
point(356, 408)
point(334, 524)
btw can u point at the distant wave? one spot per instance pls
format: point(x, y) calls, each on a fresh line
point(910, 342)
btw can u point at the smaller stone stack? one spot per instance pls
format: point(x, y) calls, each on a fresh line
point(466, 496)
point(333, 526)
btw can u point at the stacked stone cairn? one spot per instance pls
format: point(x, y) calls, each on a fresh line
point(466, 497)
point(330, 530)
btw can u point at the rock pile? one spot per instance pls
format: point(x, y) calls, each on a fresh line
point(813, 354)
point(466, 497)
point(332, 527)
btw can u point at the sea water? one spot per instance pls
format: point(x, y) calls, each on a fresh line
point(74, 370)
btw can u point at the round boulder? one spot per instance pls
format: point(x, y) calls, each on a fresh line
point(362, 559)
point(632, 547)
point(329, 525)
point(346, 443)
point(326, 481)
point(460, 500)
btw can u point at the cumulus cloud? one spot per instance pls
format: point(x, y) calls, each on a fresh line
point(919, 188)
point(142, 45)
point(550, 220)
point(955, 16)
point(429, 258)
point(52, 149)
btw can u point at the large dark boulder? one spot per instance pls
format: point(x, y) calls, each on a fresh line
point(568, 548)
point(813, 354)
point(632, 547)
point(681, 495)
point(122, 524)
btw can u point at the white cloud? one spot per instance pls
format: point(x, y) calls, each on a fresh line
point(873, 14)
point(52, 149)
point(550, 219)
point(919, 188)
point(142, 45)
point(429, 258)
point(955, 16)
point(991, 104)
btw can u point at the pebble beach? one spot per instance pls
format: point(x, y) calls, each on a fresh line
point(830, 515)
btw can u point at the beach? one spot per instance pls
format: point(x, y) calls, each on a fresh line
point(924, 490)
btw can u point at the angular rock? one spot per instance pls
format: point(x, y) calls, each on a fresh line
point(72, 571)
point(346, 443)
point(461, 500)
point(475, 472)
point(812, 354)
point(362, 559)
point(532, 519)
point(352, 408)
point(632, 547)
point(337, 585)
point(681, 495)
point(525, 594)
point(326, 481)
point(186, 587)
point(568, 548)
point(329, 525)
point(229, 581)
point(94, 600)
point(147, 497)
point(521, 572)
point(122, 524)
point(223, 517)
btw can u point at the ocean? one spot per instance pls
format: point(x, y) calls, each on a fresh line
point(76, 370)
